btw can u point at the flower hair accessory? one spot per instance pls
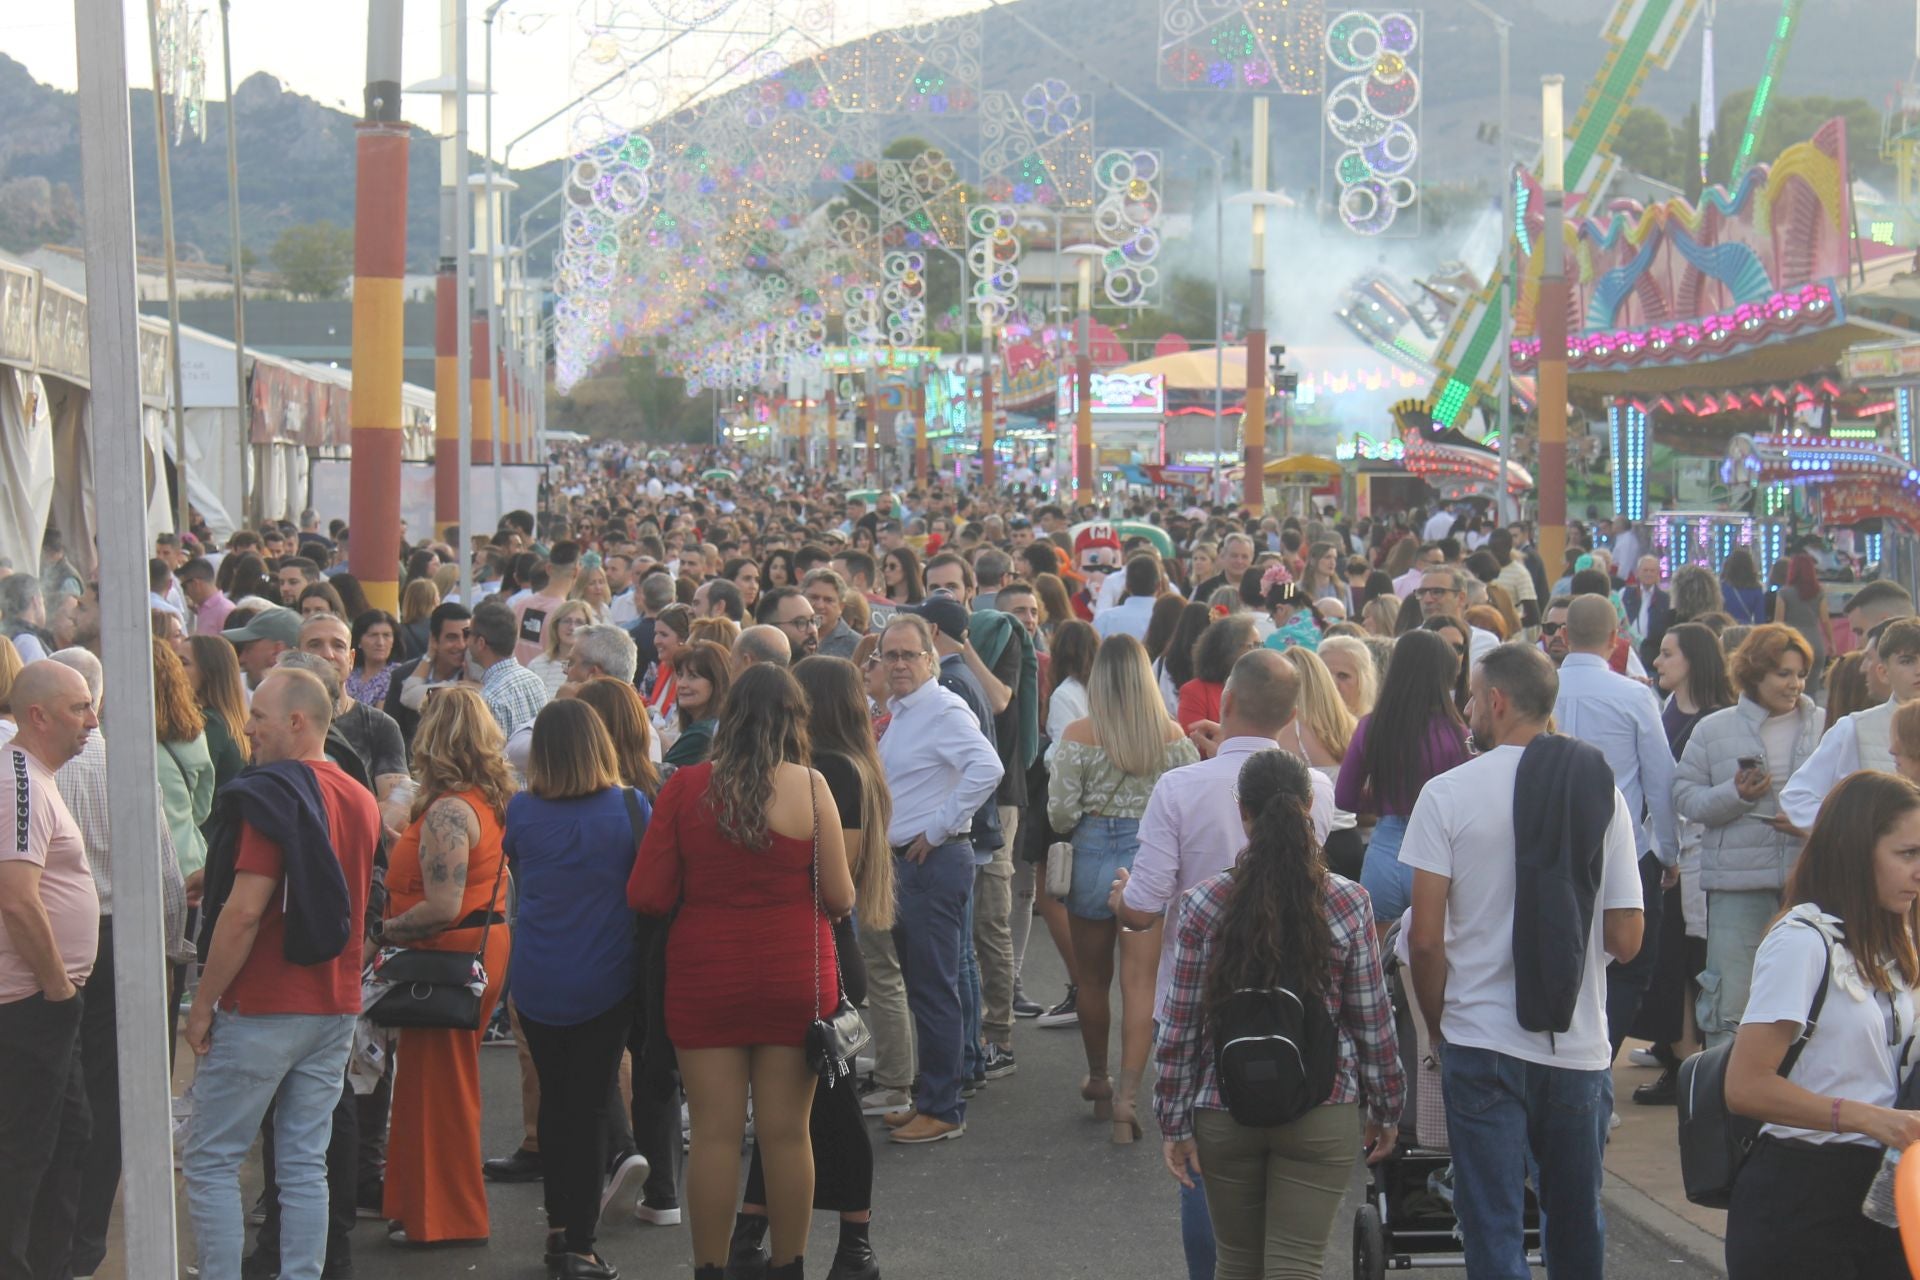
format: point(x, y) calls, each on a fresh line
point(1275, 575)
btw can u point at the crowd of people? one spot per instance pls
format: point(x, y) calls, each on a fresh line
point(699, 762)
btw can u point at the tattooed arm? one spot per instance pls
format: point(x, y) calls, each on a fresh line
point(445, 839)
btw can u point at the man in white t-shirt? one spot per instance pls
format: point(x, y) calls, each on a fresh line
point(1508, 1089)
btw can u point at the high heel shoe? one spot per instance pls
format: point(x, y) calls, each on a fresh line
point(1099, 1091)
point(1126, 1121)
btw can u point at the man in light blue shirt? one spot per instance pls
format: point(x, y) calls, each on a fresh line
point(1132, 614)
point(1621, 717)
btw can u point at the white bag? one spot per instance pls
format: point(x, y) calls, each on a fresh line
point(1060, 868)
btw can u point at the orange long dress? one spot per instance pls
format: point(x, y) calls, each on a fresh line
point(434, 1187)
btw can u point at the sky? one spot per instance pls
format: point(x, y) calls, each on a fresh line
point(543, 55)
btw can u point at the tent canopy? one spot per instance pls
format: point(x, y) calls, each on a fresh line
point(1304, 466)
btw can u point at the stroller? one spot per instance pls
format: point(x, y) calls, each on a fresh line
point(1407, 1220)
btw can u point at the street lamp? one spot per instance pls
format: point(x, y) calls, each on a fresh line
point(1086, 486)
point(1551, 326)
point(1503, 31)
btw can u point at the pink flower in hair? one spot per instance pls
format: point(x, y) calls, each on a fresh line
point(1275, 575)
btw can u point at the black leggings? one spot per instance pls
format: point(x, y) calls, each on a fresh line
point(576, 1066)
point(1796, 1212)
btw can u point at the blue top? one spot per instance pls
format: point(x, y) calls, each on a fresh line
point(573, 936)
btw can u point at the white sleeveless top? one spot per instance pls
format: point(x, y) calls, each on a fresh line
point(1873, 731)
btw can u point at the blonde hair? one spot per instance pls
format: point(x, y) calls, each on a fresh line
point(1129, 715)
point(418, 601)
point(1320, 706)
point(721, 631)
point(1906, 729)
point(550, 629)
point(459, 747)
point(1366, 670)
point(10, 666)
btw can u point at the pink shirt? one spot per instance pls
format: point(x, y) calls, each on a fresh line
point(531, 614)
point(1191, 832)
point(211, 615)
point(40, 830)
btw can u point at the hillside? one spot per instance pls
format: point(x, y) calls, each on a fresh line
point(296, 156)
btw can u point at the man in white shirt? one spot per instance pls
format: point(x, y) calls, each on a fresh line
point(1427, 559)
point(1514, 578)
point(941, 769)
point(1443, 594)
point(1621, 718)
point(1438, 525)
point(1863, 740)
point(1625, 549)
point(1509, 1089)
point(1135, 610)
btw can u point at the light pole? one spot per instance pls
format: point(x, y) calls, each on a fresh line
point(1254, 430)
point(989, 468)
point(1551, 326)
point(242, 401)
point(1503, 30)
point(1086, 481)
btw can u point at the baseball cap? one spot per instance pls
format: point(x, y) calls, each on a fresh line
point(943, 613)
point(269, 624)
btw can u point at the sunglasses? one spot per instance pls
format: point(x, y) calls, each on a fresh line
point(1551, 628)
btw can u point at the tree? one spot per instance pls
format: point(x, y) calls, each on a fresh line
point(1646, 145)
point(316, 260)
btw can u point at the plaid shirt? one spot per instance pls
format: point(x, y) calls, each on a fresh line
point(514, 695)
point(1368, 1064)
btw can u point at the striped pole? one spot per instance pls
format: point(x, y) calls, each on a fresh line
point(483, 442)
point(379, 267)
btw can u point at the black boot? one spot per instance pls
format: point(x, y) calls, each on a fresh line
point(795, 1270)
point(854, 1259)
point(746, 1255)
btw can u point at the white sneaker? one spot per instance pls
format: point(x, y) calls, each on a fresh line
point(881, 1101)
point(667, 1215)
point(1643, 1058)
point(1613, 1121)
point(630, 1165)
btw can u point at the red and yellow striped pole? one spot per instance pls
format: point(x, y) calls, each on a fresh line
point(379, 269)
point(482, 372)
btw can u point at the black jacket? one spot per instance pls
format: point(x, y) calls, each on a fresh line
point(282, 802)
point(1562, 805)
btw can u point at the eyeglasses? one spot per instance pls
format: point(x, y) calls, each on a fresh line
point(901, 657)
point(808, 623)
point(1551, 628)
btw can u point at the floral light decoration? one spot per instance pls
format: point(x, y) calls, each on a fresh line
point(1373, 114)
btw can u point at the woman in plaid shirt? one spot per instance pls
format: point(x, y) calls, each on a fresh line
point(1278, 914)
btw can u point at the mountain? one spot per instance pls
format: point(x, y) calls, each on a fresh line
point(296, 155)
point(296, 160)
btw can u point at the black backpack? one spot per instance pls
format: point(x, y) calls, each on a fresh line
point(1274, 1053)
point(1715, 1142)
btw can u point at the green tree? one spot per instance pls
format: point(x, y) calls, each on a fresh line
point(315, 260)
point(1789, 121)
point(1646, 144)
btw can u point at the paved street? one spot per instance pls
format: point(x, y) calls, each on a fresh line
point(1033, 1190)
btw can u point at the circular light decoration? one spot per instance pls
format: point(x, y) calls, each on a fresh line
point(1050, 108)
point(1126, 219)
point(1372, 113)
point(993, 259)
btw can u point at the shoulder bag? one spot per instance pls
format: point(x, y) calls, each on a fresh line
point(835, 1041)
point(436, 989)
point(1715, 1142)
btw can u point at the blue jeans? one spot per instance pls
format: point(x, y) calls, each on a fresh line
point(1386, 881)
point(1196, 1232)
point(1500, 1109)
point(299, 1060)
point(930, 935)
point(1101, 846)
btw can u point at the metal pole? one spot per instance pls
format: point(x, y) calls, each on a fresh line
point(501, 441)
point(162, 153)
point(989, 465)
point(1551, 479)
point(463, 293)
point(1087, 482)
point(1508, 508)
point(113, 310)
point(242, 401)
point(1219, 322)
point(1253, 481)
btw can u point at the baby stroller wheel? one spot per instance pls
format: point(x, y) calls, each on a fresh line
point(1369, 1244)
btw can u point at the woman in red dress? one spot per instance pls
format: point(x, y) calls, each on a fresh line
point(750, 958)
point(444, 880)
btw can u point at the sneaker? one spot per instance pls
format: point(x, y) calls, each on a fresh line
point(1064, 1014)
point(257, 1215)
point(881, 1101)
point(498, 1034)
point(659, 1213)
point(999, 1062)
point(1025, 1008)
point(1613, 1121)
point(1643, 1058)
point(521, 1166)
point(623, 1165)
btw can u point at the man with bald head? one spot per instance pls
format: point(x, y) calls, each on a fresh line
point(761, 644)
point(1621, 717)
point(1191, 832)
point(280, 988)
point(49, 933)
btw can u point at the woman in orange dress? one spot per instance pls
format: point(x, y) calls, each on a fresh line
point(444, 882)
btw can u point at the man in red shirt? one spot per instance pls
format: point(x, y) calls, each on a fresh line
point(265, 1027)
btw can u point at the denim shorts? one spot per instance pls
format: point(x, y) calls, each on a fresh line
point(1101, 846)
point(1387, 881)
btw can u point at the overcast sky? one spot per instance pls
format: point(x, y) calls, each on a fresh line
point(319, 49)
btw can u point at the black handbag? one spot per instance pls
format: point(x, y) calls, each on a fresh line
point(1715, 1142)
point(833, 1042)
point(437, 989)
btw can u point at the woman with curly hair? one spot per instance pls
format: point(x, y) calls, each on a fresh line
point(186, 765)
point(444, 884)
point(705, 672)
point(747, 850)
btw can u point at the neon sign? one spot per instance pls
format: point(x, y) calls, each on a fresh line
point(1118, 395)
point(1366, 449)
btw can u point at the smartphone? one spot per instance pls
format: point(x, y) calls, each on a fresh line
point(1751, 762)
